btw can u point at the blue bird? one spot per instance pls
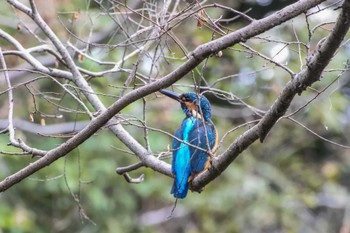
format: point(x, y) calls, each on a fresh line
point(194, 139)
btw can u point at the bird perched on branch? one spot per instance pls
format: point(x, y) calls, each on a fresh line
point(194, 140)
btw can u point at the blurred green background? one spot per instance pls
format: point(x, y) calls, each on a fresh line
point(293, 182)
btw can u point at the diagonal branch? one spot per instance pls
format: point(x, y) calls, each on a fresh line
point(305, 78)
point(198, 55)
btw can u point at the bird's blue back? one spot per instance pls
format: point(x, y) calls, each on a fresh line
point(189, 160)
point(199, 158)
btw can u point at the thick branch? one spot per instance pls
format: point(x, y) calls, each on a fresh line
point(305, 78)
point(198, 56)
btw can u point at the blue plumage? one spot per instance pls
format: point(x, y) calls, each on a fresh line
point(181, 166)
point(191, 144)
point(199, 158)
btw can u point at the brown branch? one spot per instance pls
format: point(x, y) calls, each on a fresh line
point(305, 78)
point(198, 55)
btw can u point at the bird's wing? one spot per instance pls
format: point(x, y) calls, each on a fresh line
point(176, 147)
point(181, 166)
point(197, 137)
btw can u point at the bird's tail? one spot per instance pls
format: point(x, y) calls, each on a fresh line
point(180, 188)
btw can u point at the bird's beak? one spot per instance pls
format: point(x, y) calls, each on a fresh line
point(172, 95)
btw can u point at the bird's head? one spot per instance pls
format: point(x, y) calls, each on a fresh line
point(191, 103)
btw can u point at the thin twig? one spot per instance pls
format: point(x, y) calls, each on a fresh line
point(10, 99)
point(122, 170)
point(290, 72)
point(17, 143)
point(137, 180)
point(317, 135)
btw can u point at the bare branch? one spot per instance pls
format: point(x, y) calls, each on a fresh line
point(25, 54)
point(122, 170)
point(137, 180)
point(253, 51)
point(317, 135)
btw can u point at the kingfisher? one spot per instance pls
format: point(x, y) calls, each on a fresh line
point(194, 142)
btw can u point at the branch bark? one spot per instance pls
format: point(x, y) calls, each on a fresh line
point(198, 55)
